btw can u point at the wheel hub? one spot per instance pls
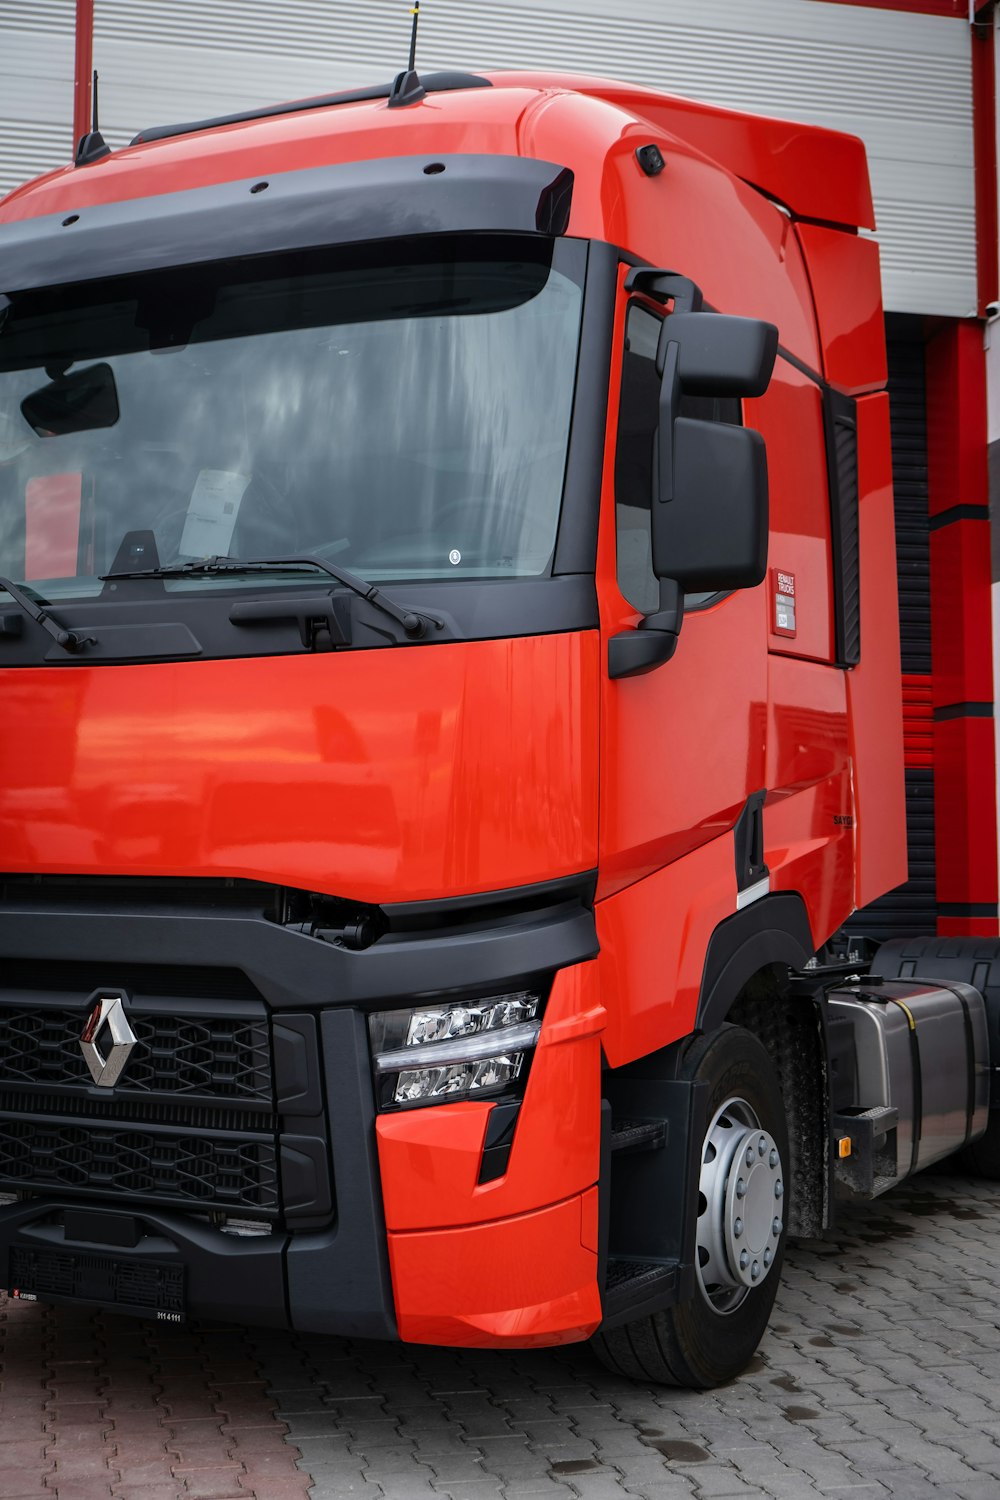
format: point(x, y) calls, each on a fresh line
point(741, 1206)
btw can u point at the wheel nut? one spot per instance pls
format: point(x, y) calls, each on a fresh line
point(737, 1227)
point(772, 1160)
point(741, 1189)
point(749, 1156)
point(761, 1146)
point(775, 1225)
point(768, 1257)
point(755, 1269)
point(778, 1190)
point(744, 1260)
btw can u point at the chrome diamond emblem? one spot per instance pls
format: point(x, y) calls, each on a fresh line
point(107, 1027)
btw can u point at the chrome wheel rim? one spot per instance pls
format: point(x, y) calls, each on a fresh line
point(740, 1206)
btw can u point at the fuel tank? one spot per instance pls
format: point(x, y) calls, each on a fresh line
point(909, 1077)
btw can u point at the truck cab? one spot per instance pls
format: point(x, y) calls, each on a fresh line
point(451, 688)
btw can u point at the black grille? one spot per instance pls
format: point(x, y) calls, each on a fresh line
point(166, 1167)
point(215, 1057)
point(137, 1285)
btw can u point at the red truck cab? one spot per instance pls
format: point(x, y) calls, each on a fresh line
point(405, 853)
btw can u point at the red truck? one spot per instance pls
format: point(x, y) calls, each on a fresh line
point(451, 706)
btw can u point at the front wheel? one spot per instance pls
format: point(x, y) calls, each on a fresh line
point(740, 1227)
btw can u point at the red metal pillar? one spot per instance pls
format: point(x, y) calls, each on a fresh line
point(965, 812)
point(984, 142)
point(83, 69)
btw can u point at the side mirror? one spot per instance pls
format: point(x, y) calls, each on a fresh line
point(712, 534)
point(710, 500)
point(719, 355)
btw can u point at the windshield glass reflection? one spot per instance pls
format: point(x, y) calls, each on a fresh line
point(407, 418)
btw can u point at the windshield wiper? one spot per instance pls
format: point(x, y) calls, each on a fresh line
point(68, 639)
point(414, 623)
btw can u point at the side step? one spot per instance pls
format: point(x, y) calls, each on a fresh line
point(869, 1166)
point(638, 1135)
point(634, 1287)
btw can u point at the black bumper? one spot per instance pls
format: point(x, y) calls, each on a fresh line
point(250, 1099)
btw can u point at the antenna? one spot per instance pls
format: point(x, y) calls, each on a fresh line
point(93, 147)
point(407, 88)
point(415, 13)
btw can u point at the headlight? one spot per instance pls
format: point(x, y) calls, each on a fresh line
point(444, 1052)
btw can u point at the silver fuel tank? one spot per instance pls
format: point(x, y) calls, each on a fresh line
point(910, 1061)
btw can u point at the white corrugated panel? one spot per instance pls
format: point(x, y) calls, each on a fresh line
point(36, 87)
point(901, 81)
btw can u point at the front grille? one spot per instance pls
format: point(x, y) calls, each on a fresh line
point(136, 1285)
point(193, 1123)
point(215, 1057)
point(165, 1167)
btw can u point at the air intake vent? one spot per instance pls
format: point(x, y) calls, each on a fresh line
point(135, 1286)
point(161, 1166)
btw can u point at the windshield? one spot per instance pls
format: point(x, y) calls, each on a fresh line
point(403, 412)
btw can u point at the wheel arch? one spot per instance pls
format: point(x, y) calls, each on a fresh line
point(745, 981)
point(773, 930)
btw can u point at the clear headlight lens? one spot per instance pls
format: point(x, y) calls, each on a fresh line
point(440, 1052)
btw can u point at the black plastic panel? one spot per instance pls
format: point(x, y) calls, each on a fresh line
point(145, 1287)
point(431, 83)
point(349, 203)
point(840, 420)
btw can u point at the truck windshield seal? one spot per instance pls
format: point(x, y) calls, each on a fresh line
point(400, 410)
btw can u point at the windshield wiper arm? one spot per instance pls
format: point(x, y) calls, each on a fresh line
point(68, 639)
point(413, 623)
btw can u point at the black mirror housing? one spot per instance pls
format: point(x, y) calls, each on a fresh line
point(78, 402)
point(719, 355)
point(713, 534)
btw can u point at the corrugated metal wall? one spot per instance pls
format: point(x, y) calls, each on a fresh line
point(901, 81)
point(36, 87)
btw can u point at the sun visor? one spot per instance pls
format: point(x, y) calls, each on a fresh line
point(343, 204)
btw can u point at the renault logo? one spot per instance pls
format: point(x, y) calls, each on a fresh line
point(107, 1028)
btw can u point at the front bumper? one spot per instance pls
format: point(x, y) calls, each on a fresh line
point(158, 1243)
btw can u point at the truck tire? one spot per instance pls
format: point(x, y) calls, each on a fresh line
point(711, 1337)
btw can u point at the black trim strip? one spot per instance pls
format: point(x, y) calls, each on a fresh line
point(803, 368)
point(958, 513)
point(970, 1058)
point(964, 711)
point(841, 433)
point(967, 908)
point(918, 1084)
point(576, 542)
point(840, 429)
point(432, 84)
point(544, 893)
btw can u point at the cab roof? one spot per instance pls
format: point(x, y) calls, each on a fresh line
point(814, 173)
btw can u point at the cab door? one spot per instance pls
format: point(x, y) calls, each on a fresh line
point(683, 745)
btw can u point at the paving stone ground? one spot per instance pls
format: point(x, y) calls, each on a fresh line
point(879, 1376)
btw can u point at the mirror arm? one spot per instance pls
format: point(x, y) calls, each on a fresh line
point(653, 641)
point(666, 286)
point(667, 359)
